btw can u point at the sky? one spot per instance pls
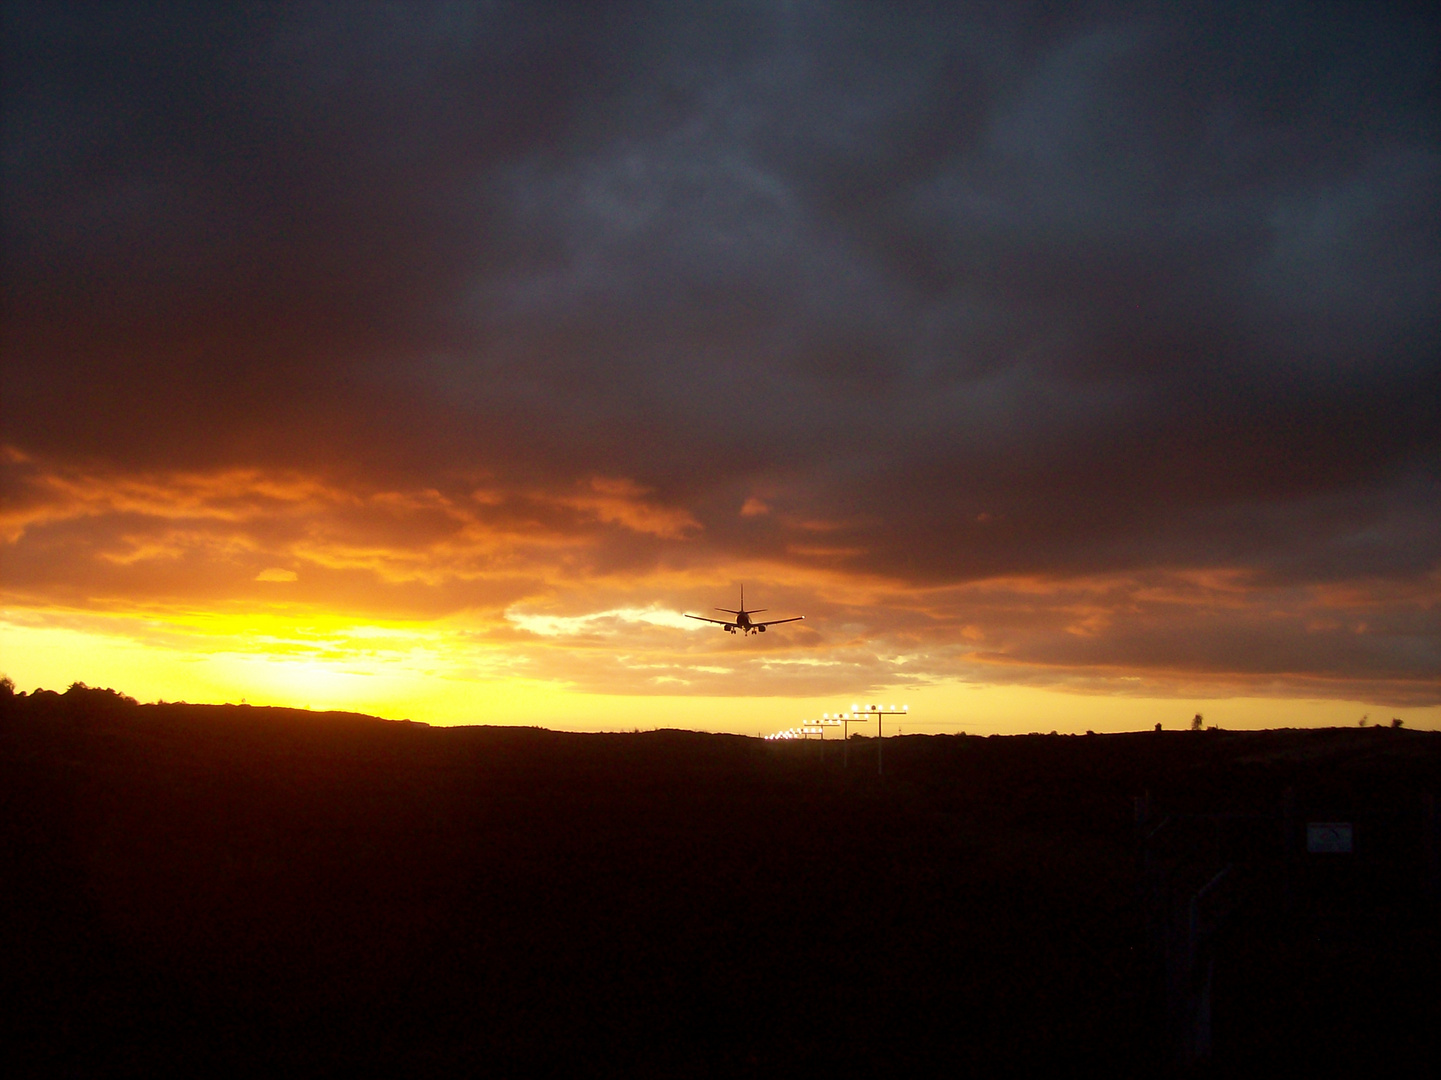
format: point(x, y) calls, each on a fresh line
point(1067, 366)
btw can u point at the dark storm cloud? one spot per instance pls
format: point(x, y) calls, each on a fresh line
point(1130, 286)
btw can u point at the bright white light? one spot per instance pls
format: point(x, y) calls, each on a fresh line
point(599, 622)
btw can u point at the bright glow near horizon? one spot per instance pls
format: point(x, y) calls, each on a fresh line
point(470, 442)
point(406, 673)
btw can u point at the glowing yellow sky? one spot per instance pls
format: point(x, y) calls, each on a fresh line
point(424, 673)
point(565, 608)
point(423, 376)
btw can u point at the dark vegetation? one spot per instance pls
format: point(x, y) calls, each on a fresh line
point(190, 887)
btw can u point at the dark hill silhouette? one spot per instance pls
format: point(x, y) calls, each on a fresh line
point(253, 889)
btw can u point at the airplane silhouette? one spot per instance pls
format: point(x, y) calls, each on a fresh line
point(742, 620)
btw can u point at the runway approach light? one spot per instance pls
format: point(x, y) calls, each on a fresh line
point(880, 712)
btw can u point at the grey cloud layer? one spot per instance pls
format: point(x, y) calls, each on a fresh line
point(1065, 294)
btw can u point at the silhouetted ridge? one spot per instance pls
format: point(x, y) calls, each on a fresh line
point(190, 887)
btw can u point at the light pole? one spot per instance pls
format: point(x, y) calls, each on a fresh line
point(844, 719)
point(824, 722)
point(819, 726)
point(879, 711)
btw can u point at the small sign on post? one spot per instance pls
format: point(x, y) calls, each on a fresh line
point(1329, 837)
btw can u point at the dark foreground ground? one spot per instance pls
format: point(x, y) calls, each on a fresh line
point(216, 887)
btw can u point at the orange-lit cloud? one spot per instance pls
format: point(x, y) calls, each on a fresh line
point(296, 568)
point(1009, 377)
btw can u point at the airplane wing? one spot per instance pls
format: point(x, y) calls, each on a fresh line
point(777, 622)
point(702, 618)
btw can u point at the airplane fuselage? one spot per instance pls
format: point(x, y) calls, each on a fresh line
point(742, 621)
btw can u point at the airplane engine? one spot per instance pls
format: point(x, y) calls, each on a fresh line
point(730, 629)
point(762, 629)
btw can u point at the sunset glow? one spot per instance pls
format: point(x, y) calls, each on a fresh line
point(485, 605)
point(1050, 403)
